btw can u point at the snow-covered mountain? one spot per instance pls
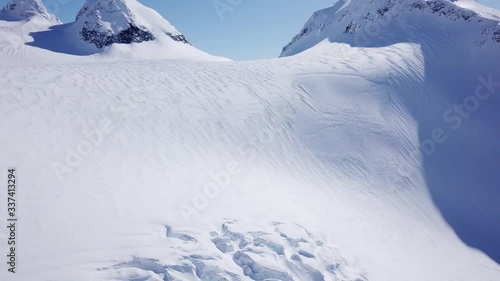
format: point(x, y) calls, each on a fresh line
point(25, 10)
point(112, 28)
point(106, 22)
point(367, 162)
point(125, 28)
point(375, 22)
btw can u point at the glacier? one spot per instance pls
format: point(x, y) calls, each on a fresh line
point(367, 151)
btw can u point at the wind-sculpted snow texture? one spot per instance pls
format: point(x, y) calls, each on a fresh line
point(451, 34)
point(325, 165)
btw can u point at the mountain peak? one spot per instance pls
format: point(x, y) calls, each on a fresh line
point(106, 22)
point(26, 10)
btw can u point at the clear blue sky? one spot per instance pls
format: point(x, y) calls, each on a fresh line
point(252, 29)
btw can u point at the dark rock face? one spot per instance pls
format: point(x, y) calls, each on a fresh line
point(496, 36)
point(443, 9)
point(131, 35)
point(10, 7)
point(351, 27)
point(178, 38)
point(22, 14)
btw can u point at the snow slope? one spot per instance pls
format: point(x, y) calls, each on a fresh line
point(309, 167)
point(459, 46)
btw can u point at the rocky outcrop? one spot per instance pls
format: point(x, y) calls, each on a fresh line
point(133, 34)
point(107, 22)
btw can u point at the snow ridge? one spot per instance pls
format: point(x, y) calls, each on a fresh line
point(26, 10)
point(350, 16)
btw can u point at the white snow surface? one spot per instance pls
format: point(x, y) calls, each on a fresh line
point(308, 167)
point(110, 15)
